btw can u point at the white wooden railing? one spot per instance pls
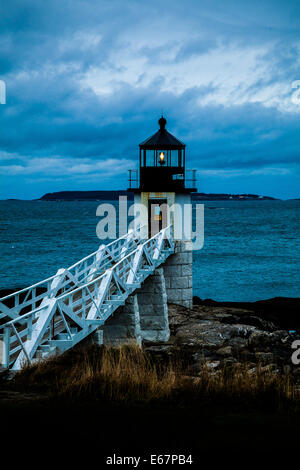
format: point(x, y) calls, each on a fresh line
point(65, 280)
point(78, 300)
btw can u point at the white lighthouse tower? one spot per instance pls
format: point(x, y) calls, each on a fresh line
point(162, 198)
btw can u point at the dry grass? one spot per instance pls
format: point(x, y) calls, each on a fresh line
point(129, 375)
point(122, 374)
point(259, 387)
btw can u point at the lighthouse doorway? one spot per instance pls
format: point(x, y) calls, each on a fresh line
point(157, 216)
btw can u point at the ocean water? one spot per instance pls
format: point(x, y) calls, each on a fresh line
point(251, 248)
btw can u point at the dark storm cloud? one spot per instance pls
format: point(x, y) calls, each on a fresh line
point(87, 80)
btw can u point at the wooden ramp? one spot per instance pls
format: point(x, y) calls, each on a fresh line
point(55, 314)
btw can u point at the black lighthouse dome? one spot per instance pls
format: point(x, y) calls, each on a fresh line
point(162, 139)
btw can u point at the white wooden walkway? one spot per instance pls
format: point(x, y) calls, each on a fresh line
point(57, 313)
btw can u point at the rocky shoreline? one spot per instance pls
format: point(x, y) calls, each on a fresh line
point(228, 334)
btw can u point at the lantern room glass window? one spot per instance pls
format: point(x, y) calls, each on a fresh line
point(172, 158)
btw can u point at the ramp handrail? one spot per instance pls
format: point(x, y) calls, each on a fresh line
point(14, 304)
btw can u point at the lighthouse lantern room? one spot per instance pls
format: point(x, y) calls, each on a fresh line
point(162, 186)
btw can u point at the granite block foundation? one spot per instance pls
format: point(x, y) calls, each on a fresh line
point(178, 273)
point(145, 313)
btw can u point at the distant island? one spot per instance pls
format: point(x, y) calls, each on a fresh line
point(86, 196)
point(230, 197)
point(114, 196)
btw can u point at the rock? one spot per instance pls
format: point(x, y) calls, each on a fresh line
point(238, 343)
point(261, 339)
point(244, 331)
point(280, 311)
point(209, 335)
point(264, 357)
point(281, 334)
point(225, 351)
point(160, 352)
point(202, 356)
point(178, 315)
point(230, 362)
point(258, 322)
point(228, 335)
point(246, 356)
point(213, 364)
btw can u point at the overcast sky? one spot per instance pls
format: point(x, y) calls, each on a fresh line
point(86, 82)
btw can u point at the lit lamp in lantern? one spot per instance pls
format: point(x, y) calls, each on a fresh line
point(162, 158)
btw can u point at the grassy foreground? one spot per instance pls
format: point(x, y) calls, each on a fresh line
point(128, 375)
point(94, 402)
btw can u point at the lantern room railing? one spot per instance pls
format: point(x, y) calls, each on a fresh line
point(187, 179)
point(190, 177)
point(133, 179)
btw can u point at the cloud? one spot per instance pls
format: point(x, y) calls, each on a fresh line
point(270, 171)
point(86, 82)
point(69, 167)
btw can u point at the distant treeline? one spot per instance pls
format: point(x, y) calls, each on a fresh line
point(114, 196)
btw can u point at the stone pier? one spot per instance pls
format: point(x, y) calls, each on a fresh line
point(152, 300)
point(145, 313)
point(123, 327)
point(178, 272)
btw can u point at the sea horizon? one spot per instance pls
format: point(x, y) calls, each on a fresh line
point(258, 197)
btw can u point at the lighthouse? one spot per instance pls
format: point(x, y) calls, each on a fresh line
point(162, 189)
